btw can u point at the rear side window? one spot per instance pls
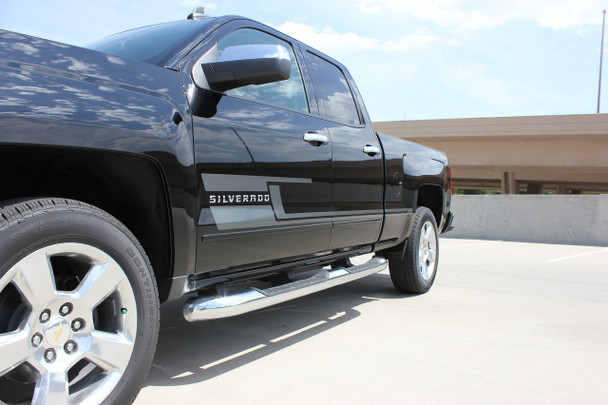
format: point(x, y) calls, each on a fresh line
point(332, 88)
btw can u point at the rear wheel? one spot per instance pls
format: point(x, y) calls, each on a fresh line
point(79, 309)
point(415, 273)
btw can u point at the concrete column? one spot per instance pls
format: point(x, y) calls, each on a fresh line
point(514, 184)
point(508, 183)
point(535, 188)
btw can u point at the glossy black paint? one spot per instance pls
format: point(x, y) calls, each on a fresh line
point(410, 168)
point(61, 96)
point(212, 155)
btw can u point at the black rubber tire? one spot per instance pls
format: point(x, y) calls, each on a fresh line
point(27, 227)
point(407, 273)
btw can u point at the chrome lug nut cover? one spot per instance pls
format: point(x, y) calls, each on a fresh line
point(49, 355)
point(77, 324)
point(36, 339)
point(66, 309)
point(70, 347)
point(45, 316)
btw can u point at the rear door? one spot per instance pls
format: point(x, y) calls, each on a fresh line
point(358, 170)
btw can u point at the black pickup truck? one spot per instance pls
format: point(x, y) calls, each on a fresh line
point(214, 162)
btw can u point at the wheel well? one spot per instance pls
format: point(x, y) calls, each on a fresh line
point(129, 187)
point(431, 196)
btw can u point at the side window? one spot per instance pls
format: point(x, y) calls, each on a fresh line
point(332, 88)
point(287, 93)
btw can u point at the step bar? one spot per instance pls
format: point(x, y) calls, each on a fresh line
point(224, 306)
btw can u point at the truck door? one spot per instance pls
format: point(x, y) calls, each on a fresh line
point(265, 192)
point(358, 172)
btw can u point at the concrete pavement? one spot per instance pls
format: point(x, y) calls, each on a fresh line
point(505, 323)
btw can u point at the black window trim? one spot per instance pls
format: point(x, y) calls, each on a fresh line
point(354, 95)
point(223, 28)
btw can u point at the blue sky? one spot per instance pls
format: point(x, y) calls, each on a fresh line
point(411, 59)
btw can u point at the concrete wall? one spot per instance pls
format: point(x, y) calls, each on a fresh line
point(577, 219)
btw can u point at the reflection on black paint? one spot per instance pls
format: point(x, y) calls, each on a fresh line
point(114, 95)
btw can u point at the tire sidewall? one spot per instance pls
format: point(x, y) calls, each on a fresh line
point(94, 227)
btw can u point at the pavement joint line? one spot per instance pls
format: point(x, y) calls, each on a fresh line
point(288, 335)
point(472, 244)
point(182, 375)
point(559, 259)
point(232, 357)
point(336, 316)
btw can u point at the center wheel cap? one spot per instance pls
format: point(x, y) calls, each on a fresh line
point(57, 333)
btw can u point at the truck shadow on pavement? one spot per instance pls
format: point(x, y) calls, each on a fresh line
point(189, 353)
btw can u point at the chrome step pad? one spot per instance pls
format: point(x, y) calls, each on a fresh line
point(215, 307)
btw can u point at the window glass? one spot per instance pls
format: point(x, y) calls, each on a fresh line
point(332, 88)
point(287, 93)
point(152, 44)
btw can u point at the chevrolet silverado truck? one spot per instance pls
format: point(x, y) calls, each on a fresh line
point(214, 162)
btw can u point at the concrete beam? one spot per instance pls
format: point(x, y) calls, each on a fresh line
point(589, 126)
point(568, 150)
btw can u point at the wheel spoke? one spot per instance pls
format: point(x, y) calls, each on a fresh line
point(424, 266)
point(431, 255)
point(110, 351)
point(100, 282)
point(52, 389)
point(427, 233)
point(13, 350)
point(35, 279)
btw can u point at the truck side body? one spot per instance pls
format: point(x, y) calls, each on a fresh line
point(222, 189)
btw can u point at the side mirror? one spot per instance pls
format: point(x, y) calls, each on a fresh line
point(243, 65)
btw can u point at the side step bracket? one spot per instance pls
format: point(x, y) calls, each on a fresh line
point(215, 307)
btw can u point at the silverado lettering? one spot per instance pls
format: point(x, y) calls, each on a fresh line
point(230, 198)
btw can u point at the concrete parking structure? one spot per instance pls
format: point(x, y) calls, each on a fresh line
point(559, 153)
point(505, 323)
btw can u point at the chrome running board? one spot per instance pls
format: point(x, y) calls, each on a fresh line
point(215, 307)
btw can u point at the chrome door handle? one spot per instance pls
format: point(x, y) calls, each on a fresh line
point(316, 139)
point(371, 150)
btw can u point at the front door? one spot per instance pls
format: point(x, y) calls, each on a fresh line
point(265, 192)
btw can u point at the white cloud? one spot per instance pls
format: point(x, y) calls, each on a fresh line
point(471, 15)
point(327, 40)
point(207, 5)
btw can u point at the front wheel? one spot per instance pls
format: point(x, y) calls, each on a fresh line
point(415, 273)
point(79, 312)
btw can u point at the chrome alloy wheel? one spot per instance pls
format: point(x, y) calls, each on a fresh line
point(69, 326)
point(427, 251)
